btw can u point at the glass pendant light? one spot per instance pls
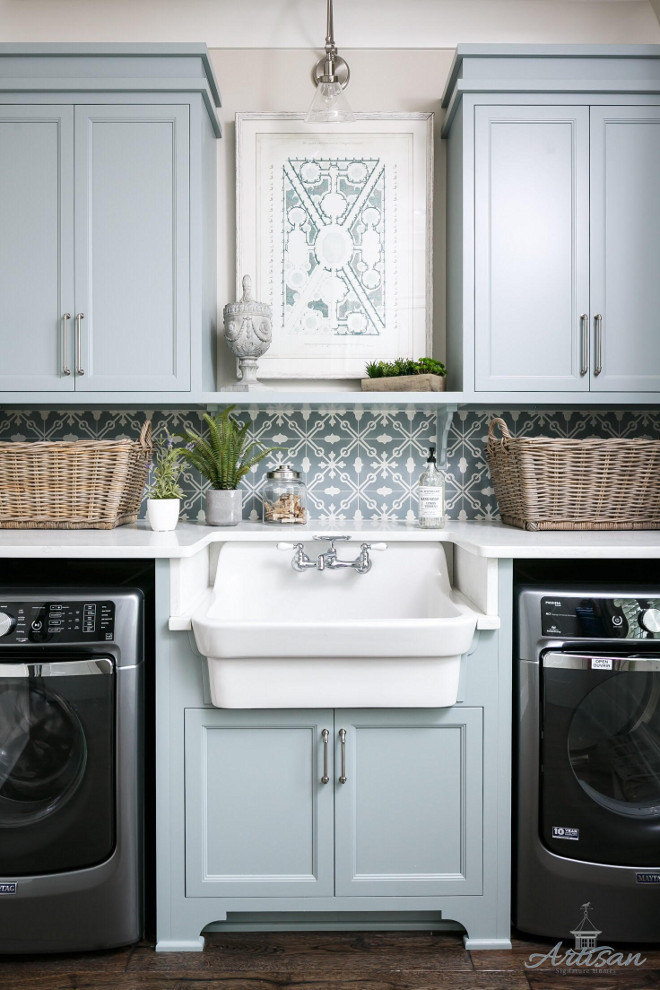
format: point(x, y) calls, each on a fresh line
point(330, 75)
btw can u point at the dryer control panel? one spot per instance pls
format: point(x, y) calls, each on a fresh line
point(56, 622)
point(595, 617)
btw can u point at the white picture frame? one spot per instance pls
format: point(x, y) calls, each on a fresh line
point(334, 225)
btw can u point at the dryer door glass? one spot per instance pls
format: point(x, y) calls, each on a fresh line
point(43, 753)
point(600, 756)
point(56, 764)
point(614, 744)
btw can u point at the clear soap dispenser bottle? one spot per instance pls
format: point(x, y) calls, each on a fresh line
point(431, 495)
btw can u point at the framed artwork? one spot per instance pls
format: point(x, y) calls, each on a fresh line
point(334, 224)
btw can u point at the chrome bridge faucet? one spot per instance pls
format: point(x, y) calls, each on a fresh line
point(329, 559)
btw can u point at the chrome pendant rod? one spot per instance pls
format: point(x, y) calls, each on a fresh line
point(332, 67)
point(330, 47)
point(330, 31)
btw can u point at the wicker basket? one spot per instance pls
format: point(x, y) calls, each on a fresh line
point(79, 484)
point(543, 483)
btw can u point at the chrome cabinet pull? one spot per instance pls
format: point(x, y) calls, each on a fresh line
point(342, 736)
point(584, 334)
point(66, 370)
point(598, 326)
point(79, 318)
point(325, 736)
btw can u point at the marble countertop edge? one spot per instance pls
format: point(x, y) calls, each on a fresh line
point(481, 538)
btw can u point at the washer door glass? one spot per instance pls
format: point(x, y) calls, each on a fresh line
point(614, 743)
point(43, 753)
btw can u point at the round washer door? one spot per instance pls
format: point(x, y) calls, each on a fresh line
point(614, 744)
point(600, 757)
point(57, 759)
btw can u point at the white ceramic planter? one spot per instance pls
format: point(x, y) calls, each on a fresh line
point(163, 513)
point(224, 507)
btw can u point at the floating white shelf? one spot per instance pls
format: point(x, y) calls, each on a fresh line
point(311, 397)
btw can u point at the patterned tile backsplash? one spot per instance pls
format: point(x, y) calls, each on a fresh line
point(358, 463)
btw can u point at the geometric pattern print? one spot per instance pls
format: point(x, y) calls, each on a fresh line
point(333, 246)
point(358, 463)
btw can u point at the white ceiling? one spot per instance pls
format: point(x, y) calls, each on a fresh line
point(358, 23)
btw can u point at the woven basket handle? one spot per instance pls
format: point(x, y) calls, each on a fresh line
point(145, 440)
point(503, 427)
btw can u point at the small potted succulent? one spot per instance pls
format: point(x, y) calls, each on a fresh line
point(404, 375)
point(164, 492)
point(224, 458)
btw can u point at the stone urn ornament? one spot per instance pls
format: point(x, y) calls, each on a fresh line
point(248, 328)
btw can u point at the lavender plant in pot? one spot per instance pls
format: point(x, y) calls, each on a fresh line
point(224, 457)
point(164, 491)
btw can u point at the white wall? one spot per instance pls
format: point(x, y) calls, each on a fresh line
point(268, 79)
point(358, 23)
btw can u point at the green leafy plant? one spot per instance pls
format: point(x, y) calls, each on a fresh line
point(429, 366)
point(226, 455)
point(166, 470)
point(405, 366)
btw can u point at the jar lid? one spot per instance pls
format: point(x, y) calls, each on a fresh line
point(284, 473)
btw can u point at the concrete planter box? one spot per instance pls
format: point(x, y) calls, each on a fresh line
point(405, 383)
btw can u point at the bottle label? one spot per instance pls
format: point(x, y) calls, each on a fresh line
point(430, 501)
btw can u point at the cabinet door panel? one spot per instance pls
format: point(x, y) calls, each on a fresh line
point(36, 246)
point(625, 245)
point(259, 820)
point(531, 247)
point(132, 247)
point(409, 817)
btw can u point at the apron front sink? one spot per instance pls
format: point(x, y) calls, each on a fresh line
point(276, 637)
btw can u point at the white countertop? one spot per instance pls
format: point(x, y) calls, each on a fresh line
point(484, 539)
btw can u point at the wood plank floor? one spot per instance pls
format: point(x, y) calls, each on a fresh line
point(322, 961)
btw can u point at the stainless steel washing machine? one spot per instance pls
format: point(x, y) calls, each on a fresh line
point(587, 760)
point(71, 669)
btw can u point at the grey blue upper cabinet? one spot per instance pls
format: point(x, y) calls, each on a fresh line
point(107, 222)
point(554, 223)
point(36, 246)
point(625, 248)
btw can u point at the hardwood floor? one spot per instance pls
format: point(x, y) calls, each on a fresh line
point(313, 961)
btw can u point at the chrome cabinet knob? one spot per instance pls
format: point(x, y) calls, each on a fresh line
point(649, 619)
point(7, 623)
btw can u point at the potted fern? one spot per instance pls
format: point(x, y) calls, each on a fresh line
point(224, 457)
point(164, 491)
point(404, 375)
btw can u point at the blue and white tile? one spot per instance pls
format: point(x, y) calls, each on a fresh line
point(358, 463)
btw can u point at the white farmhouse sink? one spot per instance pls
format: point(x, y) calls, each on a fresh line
point(276, 637)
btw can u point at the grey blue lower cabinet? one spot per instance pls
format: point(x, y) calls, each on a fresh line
point(258, 819)
point(333, 818)
point(316, 803)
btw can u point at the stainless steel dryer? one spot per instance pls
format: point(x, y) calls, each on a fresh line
point(588, 760)
point(71, 668)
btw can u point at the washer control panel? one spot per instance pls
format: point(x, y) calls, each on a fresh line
point(56, 622)
point(586, 617)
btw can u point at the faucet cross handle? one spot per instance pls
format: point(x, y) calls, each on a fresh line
point(300, 559)
point(362, 564)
